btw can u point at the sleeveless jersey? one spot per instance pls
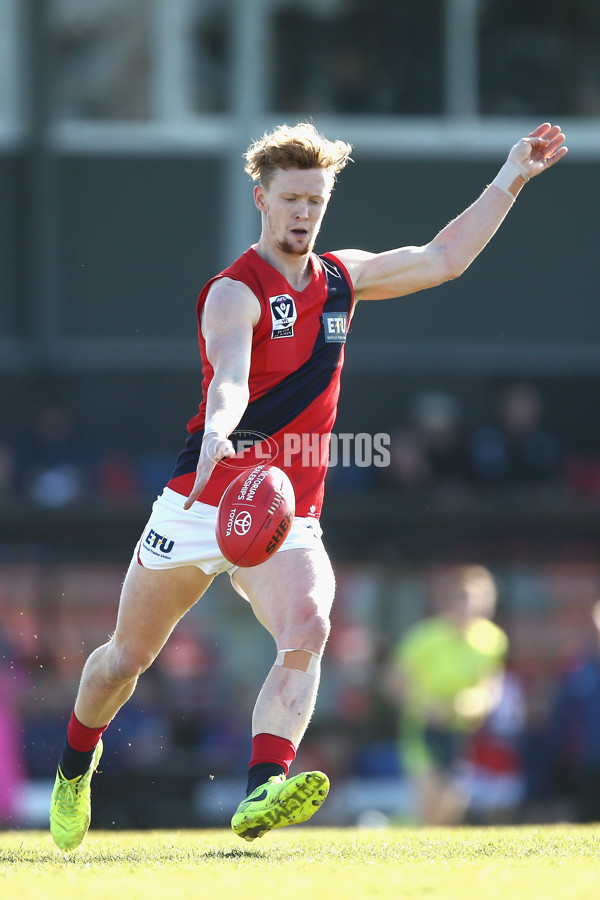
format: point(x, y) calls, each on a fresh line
point(294, 381)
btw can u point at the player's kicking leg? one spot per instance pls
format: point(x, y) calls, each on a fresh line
point(291, 595)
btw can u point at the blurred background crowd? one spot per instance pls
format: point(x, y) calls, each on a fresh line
point(121, 131)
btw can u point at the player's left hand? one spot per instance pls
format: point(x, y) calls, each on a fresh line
point(540, 150)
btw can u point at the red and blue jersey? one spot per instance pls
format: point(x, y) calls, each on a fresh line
point(294, 381)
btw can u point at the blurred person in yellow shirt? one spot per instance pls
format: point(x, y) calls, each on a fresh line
point(446, 676)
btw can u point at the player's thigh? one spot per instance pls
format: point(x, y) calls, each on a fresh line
point(291, 588)
point(152, 602)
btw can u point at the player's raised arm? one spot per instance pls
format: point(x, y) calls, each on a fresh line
point(228, 318)
point(380, 276)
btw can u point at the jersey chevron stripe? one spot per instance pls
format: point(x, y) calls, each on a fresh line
point(279, 407)
point(275, 410)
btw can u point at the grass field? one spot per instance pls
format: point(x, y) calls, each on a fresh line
point(471, 864)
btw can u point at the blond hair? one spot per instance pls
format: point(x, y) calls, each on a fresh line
point(294, 147)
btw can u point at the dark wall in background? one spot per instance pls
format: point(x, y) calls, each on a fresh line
point(13, 241)
point(140, 236)
point(537, 281)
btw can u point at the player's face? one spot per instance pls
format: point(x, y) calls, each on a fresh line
point(293, 207)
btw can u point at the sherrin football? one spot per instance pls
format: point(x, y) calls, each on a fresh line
point(255, 515)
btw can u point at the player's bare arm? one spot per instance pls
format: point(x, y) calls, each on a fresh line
point(395, 273)
point(230, 313)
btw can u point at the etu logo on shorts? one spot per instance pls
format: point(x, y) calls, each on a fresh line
point(283, 315)
point(154, 541)
point(335, 326)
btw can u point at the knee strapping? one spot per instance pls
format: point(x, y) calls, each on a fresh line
point(302, 660)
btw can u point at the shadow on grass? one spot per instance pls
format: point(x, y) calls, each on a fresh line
point(233, 854)
point(141, 856)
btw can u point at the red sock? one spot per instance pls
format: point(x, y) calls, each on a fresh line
point(269, 748)
point(82, 738)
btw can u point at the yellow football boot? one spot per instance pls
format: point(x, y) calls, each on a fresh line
point(280, 802)
point(70, 806)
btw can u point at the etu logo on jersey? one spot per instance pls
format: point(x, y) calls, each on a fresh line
point(283, 315)
point(335, 326)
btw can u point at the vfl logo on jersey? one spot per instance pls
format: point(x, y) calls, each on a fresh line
point(335, 325)
point(283, 316)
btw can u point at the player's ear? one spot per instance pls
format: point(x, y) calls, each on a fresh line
point(259, 197)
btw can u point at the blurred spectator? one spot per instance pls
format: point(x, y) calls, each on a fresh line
point(54, 460)
point(409, 467)
point(117, 480)
point(582, 475)
point(492, 772)
point(437, 417)
point(431, 451)
point(574, 739)
point(446, 676)
point(517, 451)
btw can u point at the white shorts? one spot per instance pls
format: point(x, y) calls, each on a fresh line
point(175, 536)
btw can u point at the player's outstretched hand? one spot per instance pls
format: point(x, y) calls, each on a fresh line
point(540, 150)
point(214, 448)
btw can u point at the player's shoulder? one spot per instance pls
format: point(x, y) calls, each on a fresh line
point(353, 257)
point(353, 261)
point(225, 286)
point(236, 296)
